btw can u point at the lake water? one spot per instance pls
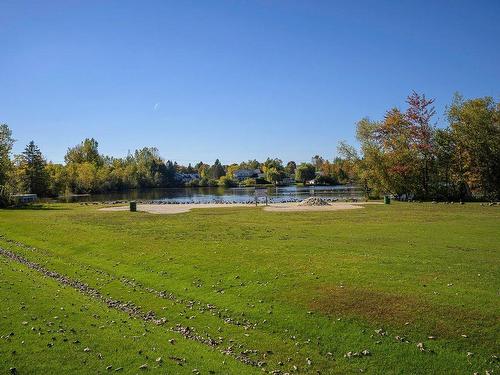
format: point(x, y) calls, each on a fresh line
point(221, 194)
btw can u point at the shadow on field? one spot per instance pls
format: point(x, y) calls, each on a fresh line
point(398, 310)
point(37, 207)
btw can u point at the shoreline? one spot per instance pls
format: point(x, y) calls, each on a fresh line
point(169, 209)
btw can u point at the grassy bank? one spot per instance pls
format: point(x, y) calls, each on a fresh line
point(291, 291)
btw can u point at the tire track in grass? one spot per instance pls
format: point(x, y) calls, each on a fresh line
point(164, 294)
point(233, 350)
point(128, 308)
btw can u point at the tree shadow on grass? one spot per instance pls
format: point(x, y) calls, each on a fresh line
point(37, 207)
point(383, 308)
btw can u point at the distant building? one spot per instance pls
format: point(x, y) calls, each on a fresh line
point(242, 174)
point(24, 198)
point(287, 181)
point(186, 177)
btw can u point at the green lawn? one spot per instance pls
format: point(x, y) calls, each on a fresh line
point(291, 291)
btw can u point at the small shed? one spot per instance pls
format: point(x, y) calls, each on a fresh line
point(24, 198)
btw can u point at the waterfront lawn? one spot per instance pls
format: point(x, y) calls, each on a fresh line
point(291, 291)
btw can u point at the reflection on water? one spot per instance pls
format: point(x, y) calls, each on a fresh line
point(238, 194)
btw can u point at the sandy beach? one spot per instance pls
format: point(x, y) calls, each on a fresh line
point(169, 209)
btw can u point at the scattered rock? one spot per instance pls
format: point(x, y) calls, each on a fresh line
point(314, 201)
point(364, 353)
point(401, 339)
point(381, 332)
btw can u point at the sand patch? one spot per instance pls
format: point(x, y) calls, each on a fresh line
point(170, 209)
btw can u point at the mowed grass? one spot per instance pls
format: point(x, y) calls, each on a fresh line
point(292, 291)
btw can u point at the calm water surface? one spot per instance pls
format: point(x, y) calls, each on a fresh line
point(238, 194)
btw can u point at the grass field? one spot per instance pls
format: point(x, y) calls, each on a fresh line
point(260, 291)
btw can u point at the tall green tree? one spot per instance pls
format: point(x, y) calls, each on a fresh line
point(318, 162)
point(419, 115)
point(274, 175)
point(203, 170)
point(305, 172)
point(272, 163)
point(85, 152)
point(475, 127)
point(57, 179)
point(290, 168)
point(450, 180)
point(150, 167)
point(6, 143)
point(35, 178)
point(217, 170)
point(250, 164)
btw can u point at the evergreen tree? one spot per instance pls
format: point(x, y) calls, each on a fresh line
point(6, 143)
point(290, 168)
point(34, 174)
point(217, 170)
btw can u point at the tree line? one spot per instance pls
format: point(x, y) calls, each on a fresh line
point(86, 170)
point(404, 154)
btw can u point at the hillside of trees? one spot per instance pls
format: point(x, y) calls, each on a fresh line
point(404, 154)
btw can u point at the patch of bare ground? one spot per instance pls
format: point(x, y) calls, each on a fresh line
point(397, 310)
point(169, 209)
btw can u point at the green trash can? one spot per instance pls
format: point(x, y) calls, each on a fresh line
point(387, 199)
point(133, 206)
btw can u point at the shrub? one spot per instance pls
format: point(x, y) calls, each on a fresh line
point(249, 182)
point(227, 181)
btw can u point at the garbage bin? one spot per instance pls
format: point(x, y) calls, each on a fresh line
point(387, 199)
point(133, 206)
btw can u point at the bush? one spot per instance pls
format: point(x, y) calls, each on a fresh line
point(326, 180)
point(212, 182)
point(227, 181)
point(193, 183)
point(205, 182)
point(249, 182)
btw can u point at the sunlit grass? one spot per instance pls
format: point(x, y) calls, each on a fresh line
point(312, 285)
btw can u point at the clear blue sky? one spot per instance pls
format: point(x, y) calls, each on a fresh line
point(232, 79)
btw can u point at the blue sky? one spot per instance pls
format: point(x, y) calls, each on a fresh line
point(232, 79)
